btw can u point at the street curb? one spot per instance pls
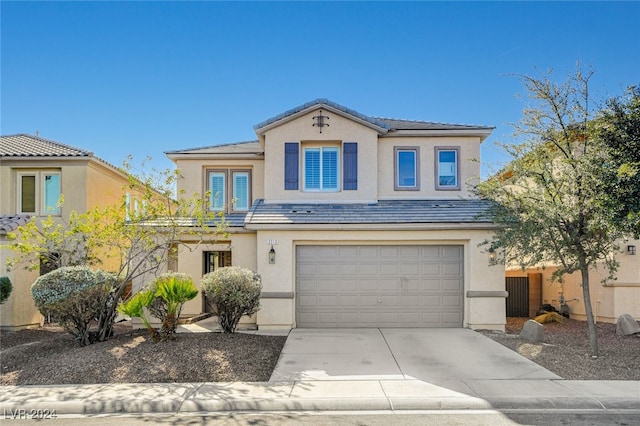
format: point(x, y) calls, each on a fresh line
point(274, 397)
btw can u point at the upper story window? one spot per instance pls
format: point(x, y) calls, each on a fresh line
point(447, 168)
point(407, 168)
point(222, 183)
point(39, 193)
point(323, 168)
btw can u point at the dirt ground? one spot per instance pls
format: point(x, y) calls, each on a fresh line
point(565, 350)
point(50, 356)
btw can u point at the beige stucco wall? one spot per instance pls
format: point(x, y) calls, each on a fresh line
point(301, 130)
point(469, 166)
point(84, 184)
point(483, 312)
point(608, 301)
point(191, 258)
point(18, 311)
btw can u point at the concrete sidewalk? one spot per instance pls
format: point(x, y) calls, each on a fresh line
point(371, 395)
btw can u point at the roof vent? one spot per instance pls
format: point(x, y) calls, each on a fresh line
point(301, 211)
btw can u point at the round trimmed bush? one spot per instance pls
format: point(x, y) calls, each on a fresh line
point(5, 288)
point(75, 296)
point(232, 292)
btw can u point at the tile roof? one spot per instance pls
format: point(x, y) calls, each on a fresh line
point(390, 124)
point(235, 220)
point(23, 145)
point(248, 147)
point(9, 222)
point(397, 124)
point(382, 212)
point(321, 101)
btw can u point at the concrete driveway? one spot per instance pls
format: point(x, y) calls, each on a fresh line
point(435, 355)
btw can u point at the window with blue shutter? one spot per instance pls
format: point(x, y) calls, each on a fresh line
point(350, 166)
point(321, 169)
point(291, 159)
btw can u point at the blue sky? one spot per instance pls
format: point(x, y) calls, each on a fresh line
point(141, 78)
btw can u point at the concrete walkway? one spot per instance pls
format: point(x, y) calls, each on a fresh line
point(391, 369)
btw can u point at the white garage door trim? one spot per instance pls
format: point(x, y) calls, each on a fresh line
point(379, 285)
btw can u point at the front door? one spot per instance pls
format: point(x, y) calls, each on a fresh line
point(212, 261)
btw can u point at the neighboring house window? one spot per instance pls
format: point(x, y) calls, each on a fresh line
point(407, 168)
point(321, 169)
point(447, 168)
point(39, 193)
point(239, 186)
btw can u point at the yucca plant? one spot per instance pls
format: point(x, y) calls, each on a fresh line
point(173, 290)
point(164, 299)
point(134, 307)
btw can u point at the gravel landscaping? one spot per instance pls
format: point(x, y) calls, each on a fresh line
point(565, 350)
point(49, 356)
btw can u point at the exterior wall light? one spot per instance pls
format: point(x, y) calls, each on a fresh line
point(492, 254)
point(272, 255)
point(631, 250)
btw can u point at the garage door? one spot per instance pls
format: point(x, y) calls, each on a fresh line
point(379, 286)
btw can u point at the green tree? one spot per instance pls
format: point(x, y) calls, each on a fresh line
point(135, 244)
point(619, 131)
point(550, 203)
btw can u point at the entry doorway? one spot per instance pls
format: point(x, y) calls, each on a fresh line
point(212, 261)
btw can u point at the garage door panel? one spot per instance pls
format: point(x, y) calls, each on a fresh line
point(451, 285)
point(449, 269)
point(431, 285)
point(449, 301)
point(430, 269)
point(379, 286)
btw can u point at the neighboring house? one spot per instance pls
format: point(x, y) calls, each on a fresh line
point(608, 300)
point(351, 220)
point(34, 173)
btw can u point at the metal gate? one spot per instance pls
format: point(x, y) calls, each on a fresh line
point(518, 299)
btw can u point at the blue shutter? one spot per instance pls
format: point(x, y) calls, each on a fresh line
point(291, 158)
point(350, 166)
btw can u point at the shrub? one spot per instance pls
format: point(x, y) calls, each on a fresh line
point(232, 292)
point(75, 295)
point(164, 300)
point(5, 289)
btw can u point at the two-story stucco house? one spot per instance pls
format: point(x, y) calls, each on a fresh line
point(34, 173)
point(351, 220)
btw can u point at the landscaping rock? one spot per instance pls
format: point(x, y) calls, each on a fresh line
point(532, 331)
point(627, 325)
